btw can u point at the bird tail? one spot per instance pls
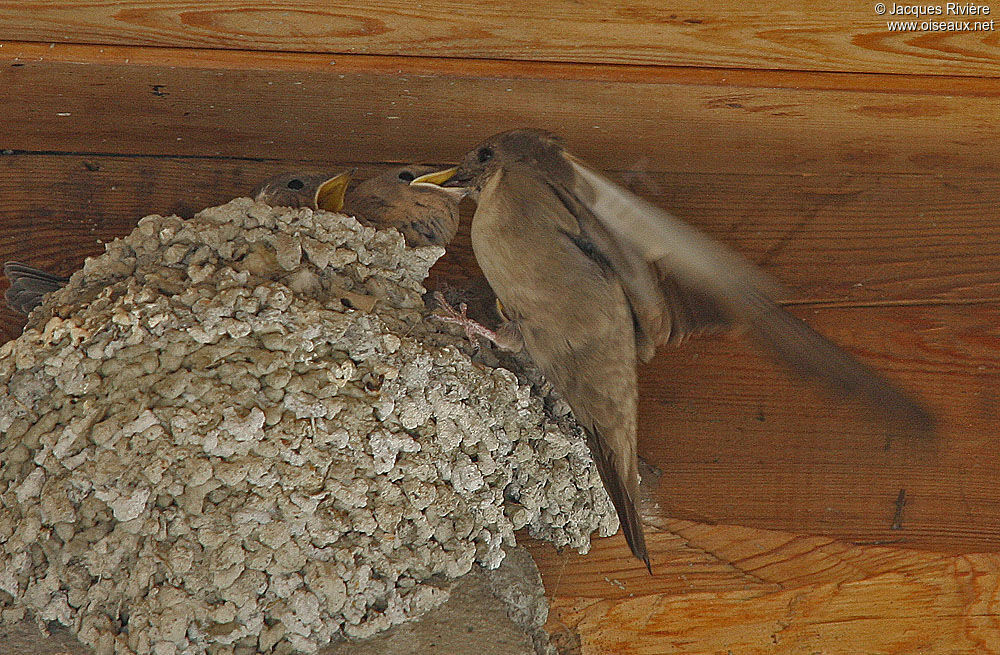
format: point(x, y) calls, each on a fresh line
point(623, 499)
point(28, 285)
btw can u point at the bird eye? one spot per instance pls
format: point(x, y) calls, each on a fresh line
point(406, 176)
point(485, 154)
point(295, 183)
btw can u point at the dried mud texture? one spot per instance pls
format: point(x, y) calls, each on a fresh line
point(241, 433)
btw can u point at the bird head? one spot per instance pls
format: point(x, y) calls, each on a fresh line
point(411, 199)
point(527, 146)
point(410, 181)
point(298, 189)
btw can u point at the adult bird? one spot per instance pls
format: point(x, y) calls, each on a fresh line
point(593, 279)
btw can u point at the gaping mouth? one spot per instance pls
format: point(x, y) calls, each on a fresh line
point(330, 194)
point(437, 179)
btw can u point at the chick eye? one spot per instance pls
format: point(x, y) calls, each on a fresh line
point(485, 154)
point(295, 183)
point(406, 176)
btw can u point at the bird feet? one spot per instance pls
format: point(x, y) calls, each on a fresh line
point(472, 328)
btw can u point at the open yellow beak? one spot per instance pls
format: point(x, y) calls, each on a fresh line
point(330, 194)
point(436, 178)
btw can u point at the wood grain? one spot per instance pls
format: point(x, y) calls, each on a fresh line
point(776, 34)
point(671, 121)
point(19, 51)
point(738, 440)
point(719, 589)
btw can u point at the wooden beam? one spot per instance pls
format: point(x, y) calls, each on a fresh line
point(277, 106)
point(777, 34)
point(839, 240)
point(719, 589)
point(739, 440)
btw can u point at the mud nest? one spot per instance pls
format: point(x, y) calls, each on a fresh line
point(242, 433)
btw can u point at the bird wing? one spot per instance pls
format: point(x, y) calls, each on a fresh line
point(28, 285)
point(594, 370)
point(706, 285)
point(664, 308)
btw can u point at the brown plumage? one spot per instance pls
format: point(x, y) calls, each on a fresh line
point(596, 278)
point(425, 215)
point(303, 189)
point(29, 285)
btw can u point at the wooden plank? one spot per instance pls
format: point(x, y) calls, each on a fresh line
point(18, 51)
point(844, 239)
point(777, 34)
point(671, 121)
point(697, 558)
point(784, 594)
point(738, 440)
point(833, 238)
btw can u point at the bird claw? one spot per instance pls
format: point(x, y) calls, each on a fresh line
point(459, 317)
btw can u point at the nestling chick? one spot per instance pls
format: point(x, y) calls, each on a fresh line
point(424, 214)
point(301, 189)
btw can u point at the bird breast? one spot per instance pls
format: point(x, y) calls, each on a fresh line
point(538, 273)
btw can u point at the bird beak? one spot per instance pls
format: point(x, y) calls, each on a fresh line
point(437, 179)
point(330, 194)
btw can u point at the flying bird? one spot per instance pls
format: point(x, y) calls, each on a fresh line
point(592, 279)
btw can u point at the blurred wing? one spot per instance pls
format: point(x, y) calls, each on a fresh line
point(664, 308)
point(713, 285)
point(694, 259)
